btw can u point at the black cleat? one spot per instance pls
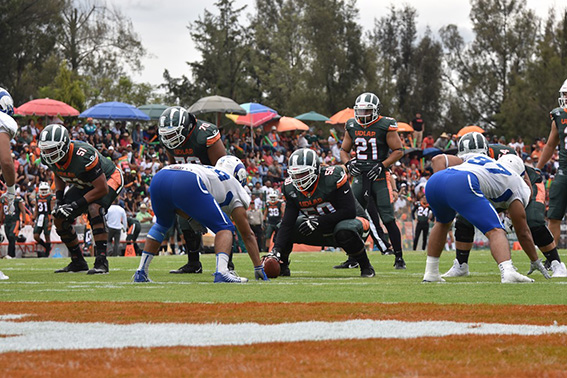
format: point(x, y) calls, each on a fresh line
point(100, 266)
point(230, 266)
point(547, 264)
point(284, 270)
point(190, 267)
point(367, 272)
point(349, 264)
point(389, 251)
point(399, 263)
point(74, 266)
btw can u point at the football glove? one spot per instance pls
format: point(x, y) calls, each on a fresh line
point(65, 211)
point(274, 253)
point(10, 198)
point(375, 172)
point(309, 225)
point(259, 273)
point(539, 177)
point(351, 167)
point(538, 265)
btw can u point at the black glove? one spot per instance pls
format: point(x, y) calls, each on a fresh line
point(539, 177)
point(375, 172)
point(309, 225)
point(66, 210)
point(352, 168)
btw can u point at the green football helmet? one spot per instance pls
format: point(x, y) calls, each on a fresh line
point(366, 108)
point(175, 124)
point(303, 168)
point(563, 95)
point(54, 143)
point(473, 142)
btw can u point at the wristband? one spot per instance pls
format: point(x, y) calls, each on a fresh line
point(11, 189)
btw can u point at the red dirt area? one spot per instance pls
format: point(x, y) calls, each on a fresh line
point(460, 356)
point(268, 313)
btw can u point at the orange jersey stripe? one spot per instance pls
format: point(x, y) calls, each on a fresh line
point(212, 140)
point(365, 223)
point(92, 164)
point(342, 181)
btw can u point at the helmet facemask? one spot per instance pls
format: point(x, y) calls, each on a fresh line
point(174, 126)
point(53, 147)
point(172, 137)
point(366, 108)
point(303, 169)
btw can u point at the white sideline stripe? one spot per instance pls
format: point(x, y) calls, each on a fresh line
point(30, 336)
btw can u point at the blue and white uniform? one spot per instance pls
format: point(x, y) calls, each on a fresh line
point(474, 189)
point(204, 193)
point(8, 125)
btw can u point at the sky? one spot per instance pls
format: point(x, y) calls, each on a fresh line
point(162, 25)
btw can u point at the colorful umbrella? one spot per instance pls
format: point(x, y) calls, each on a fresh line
point(253, 120)
point(288, 124)
point(404, 127)
point(254, 107)
point(153, 110)
point(115, 110)
point(47, 107)
point(341, 117)
point(312, 116)
point(469, 129)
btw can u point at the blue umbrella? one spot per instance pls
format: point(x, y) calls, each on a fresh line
point(254, 107)
point(115, 110)
point(431, 151)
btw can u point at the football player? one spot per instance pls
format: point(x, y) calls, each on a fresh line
point(94, 183)
point(372, 136)
point(557, 137)
point(209, 193)
point(473, 185)
point(188, 140)
point(273, 215)
point(535, 212)
point(8, 130)
point(320, 211)
point(44, 204)
point(10, 218)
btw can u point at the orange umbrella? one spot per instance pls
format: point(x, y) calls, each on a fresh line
point(47, 107)
point(342, 116)
point(470, 129)
point(287, 124)
point(404, 127)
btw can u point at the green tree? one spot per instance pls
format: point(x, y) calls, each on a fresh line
point(66, 87)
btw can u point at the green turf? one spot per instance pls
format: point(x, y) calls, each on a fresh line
point(313, 279)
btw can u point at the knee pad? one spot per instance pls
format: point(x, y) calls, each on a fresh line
point(350, 241)
point(464, 231)
point(157, 232)
point(98, 221)
point(542, 236)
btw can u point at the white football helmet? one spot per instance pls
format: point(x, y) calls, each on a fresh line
point(563, 95)
point(234, 167)
point(366, 108)
point(273, 196)
point(6, 102)
point(513, 163)
point(473, 142)
point(43, 189)
point(54, 143)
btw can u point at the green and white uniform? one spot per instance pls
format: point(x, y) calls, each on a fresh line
point(557, 196)
point(43, 204)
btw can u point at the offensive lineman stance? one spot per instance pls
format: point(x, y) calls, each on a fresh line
point(94, 184)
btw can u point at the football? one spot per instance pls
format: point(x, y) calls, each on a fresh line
point(271, 266)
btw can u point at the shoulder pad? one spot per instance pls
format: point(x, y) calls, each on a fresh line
point(334, 175)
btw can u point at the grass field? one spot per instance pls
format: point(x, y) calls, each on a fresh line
point(456, 343)
point(312, 280)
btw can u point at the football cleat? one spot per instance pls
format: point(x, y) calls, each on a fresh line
point(389, 251)
point(100, 266)
point(349, 264)
point(432, 278)
point(558, 269)
point(511, 276)
point(229, 277)
point(284, 270)
point(457, 270)
point(3, 276)
point(399, 263)
point(367, 272)
point(141, 276)
point(190, 267)
point(74, 266)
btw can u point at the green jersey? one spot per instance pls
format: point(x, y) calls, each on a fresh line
point(496, 151)
point(559, 115)
point(80, 166)
point(11, 217)
point(274, 212)
point(369, 141)
point(43, 204)
point(194, 148)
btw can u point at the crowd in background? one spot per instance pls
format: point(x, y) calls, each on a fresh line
point(137, 151)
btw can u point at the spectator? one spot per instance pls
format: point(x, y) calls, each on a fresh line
point(90, 127)
point(143, 216)
point(442, 142)
point(302, 141)
point(418, 125)
point(428, 142)
point(255, 219)
point(137, 136)
point(116, 221)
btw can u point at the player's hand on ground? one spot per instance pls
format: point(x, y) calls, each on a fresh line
point(375, 172)
point(538, 265)
point(259, 273)
point(351, 167)
point(308, 226)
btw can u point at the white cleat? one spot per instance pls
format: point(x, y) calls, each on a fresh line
point(432, 278)
point(558, 269)
point(229, 277)
point(457, 270)
point(511, 276)
point(5, 277)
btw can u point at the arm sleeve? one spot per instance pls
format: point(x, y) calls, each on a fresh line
point(345, 207)
point(286, 229)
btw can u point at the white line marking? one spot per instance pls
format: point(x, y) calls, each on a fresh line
point(29, 336)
